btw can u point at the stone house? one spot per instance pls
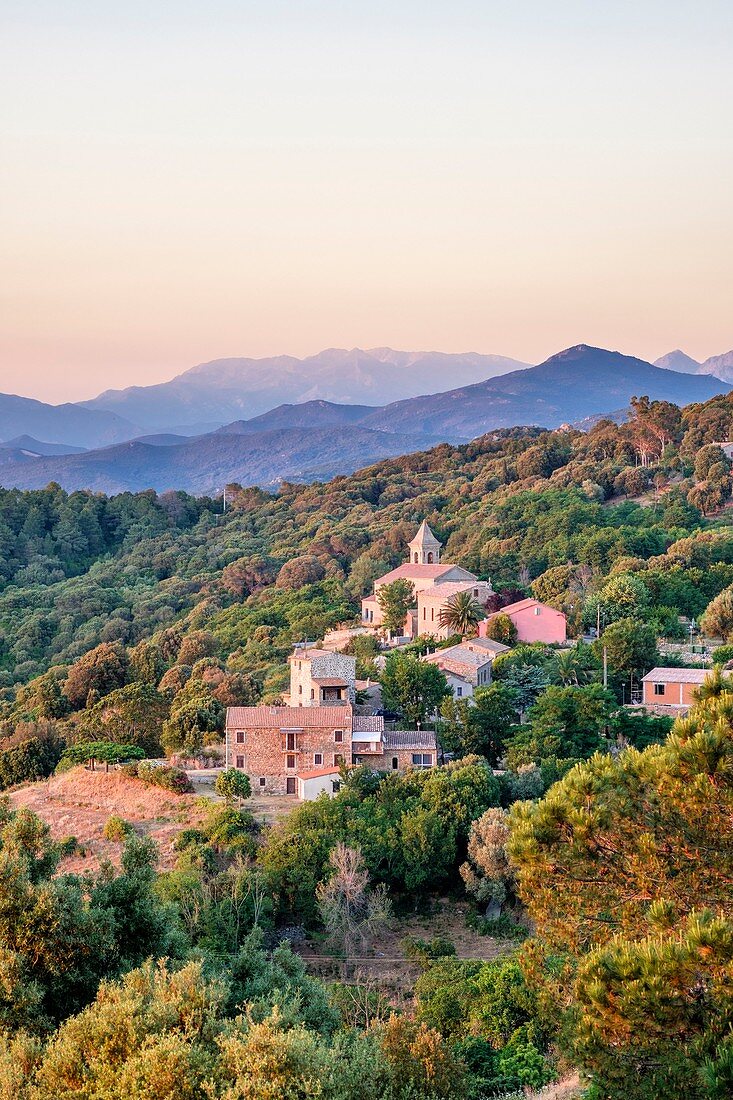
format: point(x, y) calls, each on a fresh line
point(466, 666)
point(321, 678)
point(535, 622)
point(277, 746)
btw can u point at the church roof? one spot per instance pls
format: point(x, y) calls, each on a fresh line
point(415, 572)
point(445, 589)
point(424, 536)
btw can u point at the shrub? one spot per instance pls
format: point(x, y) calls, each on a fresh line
point(500, 628)
point(439, 947)
point(161, 775)
point(116, 828)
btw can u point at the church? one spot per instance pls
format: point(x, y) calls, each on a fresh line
point(433, 581)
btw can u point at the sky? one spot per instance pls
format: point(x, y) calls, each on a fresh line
point(186, 181)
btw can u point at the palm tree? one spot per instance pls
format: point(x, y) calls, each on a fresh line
point(461, 613)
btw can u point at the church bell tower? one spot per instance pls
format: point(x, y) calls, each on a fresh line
point(424, 548)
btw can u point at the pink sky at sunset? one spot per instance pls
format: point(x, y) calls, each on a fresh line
point(186, 182)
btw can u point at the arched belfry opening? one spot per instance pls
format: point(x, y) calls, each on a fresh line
point(424, 548)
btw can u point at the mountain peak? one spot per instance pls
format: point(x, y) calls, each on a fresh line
point(678, 360)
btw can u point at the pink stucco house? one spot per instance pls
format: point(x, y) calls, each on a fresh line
point(535, 622)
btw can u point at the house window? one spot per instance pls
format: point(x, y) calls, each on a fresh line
point(313, 694)
point(430, 557)
point(459, 692)
point(240, 762)
point(338, 736)
point(336, 786)
point(395, 763)
point(432, 614)
point(240, 737)
point(290, 741)
point(538, 611)
point(659, 689)
point(263, 781)
point(415, 559)
point(425, 613)
point(422, 759)
point(337, 760)
point(300, 689)
point(318, 758)
point(290, 762)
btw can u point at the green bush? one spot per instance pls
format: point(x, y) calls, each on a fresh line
point(160, 775)
point(116, 828)
point(439, 947)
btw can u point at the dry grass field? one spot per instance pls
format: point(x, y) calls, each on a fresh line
point(79, 802)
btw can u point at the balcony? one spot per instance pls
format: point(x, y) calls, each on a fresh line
point(367, 748)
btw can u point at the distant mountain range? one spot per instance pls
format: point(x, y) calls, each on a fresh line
point(721, 366)
point(205, 464)
point(317, 439)
point(229, 389)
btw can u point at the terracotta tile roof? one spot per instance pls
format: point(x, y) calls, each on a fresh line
point(461, 669)
point(416, 572)
point(317, 773)
point(367, 723)
point(451, 588)
point(488, 644)
point(283, 718)
point(302, 654)
point(462, 654)
point(676, 676)
point(409, 739)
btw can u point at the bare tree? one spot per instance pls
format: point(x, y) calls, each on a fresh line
point(352, 914)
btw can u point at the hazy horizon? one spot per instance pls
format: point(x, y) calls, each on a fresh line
point(184, 184)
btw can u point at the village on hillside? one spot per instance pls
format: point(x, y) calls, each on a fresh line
point(329, 720)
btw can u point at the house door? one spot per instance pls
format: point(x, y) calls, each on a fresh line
point(290, 785)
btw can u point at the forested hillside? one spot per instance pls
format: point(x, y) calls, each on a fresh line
point(130, 623)
point(82, 569)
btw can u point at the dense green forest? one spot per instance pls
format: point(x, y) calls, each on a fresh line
point(586, 835)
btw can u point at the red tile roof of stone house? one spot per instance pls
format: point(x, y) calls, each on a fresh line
point(461, 669)
point(303, 654)
point(409, 739)
point(367, 723)
point(317, 773)
point(280, 718)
